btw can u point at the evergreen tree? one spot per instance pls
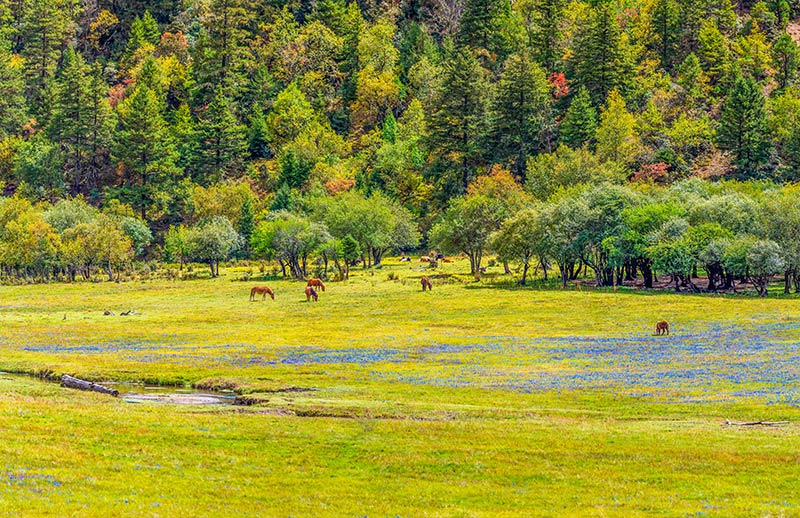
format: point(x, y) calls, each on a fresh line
point(785, 60)
point(713, 52)
point(222, 140)
point(580, 122)
point(481, 25)
point(665, 30)
point(12, 86)
point(546, 38)
point(46, 24)
point(389, 128)
point(221, 53)
point(136, 38)
point(186, 138)
point(599, 61)
point(284, 199)
point(258, 134)
point(521, 105)
point(150, 31)
point(145, 151)
point(743, 127)
point(692, 78)
point(617, 138)
point(457, 124)
point(82, 123)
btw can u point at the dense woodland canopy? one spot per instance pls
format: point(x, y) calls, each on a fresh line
point(579, 136)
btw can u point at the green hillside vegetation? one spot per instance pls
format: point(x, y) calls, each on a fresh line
point(197, 130)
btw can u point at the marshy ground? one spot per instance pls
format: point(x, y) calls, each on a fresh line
point(475, 399)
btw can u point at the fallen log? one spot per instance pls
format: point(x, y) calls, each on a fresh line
point(754, 423)
point(76, 383)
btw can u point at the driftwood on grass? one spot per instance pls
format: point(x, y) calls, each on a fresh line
point(76, 383)
point(754, 423)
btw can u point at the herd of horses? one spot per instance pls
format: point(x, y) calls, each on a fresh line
point(662, 326)
point(311, 292)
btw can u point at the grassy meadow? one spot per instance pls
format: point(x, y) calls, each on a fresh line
point(475, 399)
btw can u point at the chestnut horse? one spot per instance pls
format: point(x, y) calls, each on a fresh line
point(662, 327)
point(261, 290)
point(316, 283)
point(311, 294)
point(426, 283)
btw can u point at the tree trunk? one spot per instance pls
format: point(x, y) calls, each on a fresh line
point(647, 273)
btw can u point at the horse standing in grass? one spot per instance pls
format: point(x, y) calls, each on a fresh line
point(316, 283)
point(261, 290)
point(311, 294)
point(662, 327)
point(426, 284)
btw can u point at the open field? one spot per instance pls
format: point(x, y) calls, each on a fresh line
point(472, 400)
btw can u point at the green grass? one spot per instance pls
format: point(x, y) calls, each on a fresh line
point(421, 403)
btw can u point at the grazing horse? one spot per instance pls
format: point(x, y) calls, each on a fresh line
point(316, 283)
point(311, 294)
point(261, 290)
point(424, 259)
point(426, 284)
point(662, 327)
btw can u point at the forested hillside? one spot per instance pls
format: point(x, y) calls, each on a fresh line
point(376, 126)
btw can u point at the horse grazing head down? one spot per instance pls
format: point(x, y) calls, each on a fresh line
point(261, 290)
point(426, 284)
point(662, 327)
point(311, 294)
point(316, 283)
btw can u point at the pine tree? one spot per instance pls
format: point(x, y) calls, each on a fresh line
point(69, 124)
point(101, 122)
point(136, 38)
point(617, 138)
point(145, 151)
point(481, 25)
point(785, 60)
point(389, 128)
point(187, 140)
point(258, 134)
point(46, 24)
point(13, 112)
point(223, 141)
point(743, 127)
point(713, 52)
point(221, 53)
point(284, 198)
point(150, 31)
point(521, 105)
point(692, 78)
point(580, 122)
point(82, 123)
point(665, 29)
point(457, 124)
point(546, 39)
point(599, 61)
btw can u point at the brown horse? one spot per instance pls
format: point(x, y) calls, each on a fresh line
point(316, 283)
point(662, 327)
point(311, 294)
point(261, 290)
point(426, 284)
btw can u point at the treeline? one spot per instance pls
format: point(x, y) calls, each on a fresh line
point(727, 233)
point(695, 235)
point(70, 239)
point(141, 101)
